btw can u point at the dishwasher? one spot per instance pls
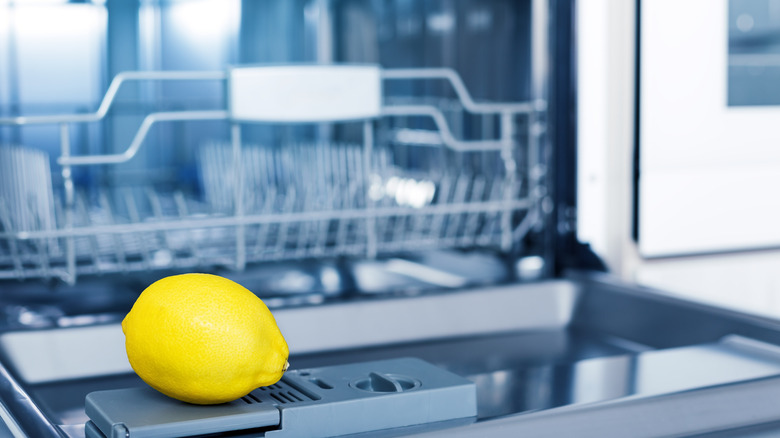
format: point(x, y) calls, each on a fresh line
point(401, 196)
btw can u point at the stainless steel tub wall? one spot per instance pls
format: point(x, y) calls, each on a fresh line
point(653, 318)
point(57, 354)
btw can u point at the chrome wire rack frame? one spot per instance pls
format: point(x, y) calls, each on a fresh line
point(293, 202)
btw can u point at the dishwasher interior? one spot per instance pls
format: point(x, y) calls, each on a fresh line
point(546, 357)
point(394, 179)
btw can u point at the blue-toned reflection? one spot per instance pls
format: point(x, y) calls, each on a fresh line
point(642, 373)
point(754, 52)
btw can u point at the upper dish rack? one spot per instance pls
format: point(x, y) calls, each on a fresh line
point(291, 202)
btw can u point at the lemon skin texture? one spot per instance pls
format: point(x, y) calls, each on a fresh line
point(203, 339)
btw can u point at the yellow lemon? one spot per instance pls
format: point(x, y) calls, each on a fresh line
point(203, 339)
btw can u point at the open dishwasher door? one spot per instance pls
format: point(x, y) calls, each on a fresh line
point(404, 202)
point(579, 356)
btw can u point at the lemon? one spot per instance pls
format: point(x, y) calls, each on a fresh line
point(203, 339)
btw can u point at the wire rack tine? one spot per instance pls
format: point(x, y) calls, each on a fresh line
point(55, 249)
point(157, 213)
point(40, 243)
point(119, 250)
point(342, 226)
point(182, 211)
point(526, 224)
point(263, 229)
point(494, 220)
point(472, 220)
point(445, 189)
point(13, 244)
point(303, 227)
point(459, 196)
point(289, 207)
point(135, 217)
point(88, 245)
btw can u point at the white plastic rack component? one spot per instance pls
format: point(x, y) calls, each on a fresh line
point(333, 200)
